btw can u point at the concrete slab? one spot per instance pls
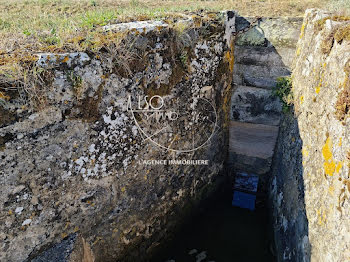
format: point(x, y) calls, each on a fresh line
point(265, 56)
point(251, 146)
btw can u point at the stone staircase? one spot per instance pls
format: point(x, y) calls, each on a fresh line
point(255, 116)
point(262, 54)
point(260, 58)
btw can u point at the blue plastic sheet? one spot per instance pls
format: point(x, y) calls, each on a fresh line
point(244, 200)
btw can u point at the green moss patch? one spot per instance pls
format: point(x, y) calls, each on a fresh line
point(283, 90)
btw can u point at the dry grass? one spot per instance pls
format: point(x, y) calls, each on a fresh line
point(31, 26)
point(42, 23)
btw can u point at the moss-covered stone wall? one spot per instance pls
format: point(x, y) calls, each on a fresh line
point(76, 167)
point(310, 185)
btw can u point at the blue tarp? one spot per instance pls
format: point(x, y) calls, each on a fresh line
point(243, 200)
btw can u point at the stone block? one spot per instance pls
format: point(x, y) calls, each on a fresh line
point(255, 105)
point(251, 146)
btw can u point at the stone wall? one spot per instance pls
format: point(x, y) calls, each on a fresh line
point(310, 186)
point(286, 195)
point(76, 177)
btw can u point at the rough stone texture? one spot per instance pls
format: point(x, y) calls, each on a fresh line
point(255, 105)
point(312, 166)
point(286, 196)
point(74, 184)
point(70, 59)
point(269, 31)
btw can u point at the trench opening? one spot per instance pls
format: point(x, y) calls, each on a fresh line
point(236, 222)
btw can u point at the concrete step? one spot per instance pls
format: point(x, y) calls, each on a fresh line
point(260, 82)
point(255, 105)
point(268, 56)
point(259, 75)
point(251, 146)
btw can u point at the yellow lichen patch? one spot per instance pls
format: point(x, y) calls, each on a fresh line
point(123, 189)
point(305, 152)
point(197, 21)
point(3, 96)
point(298, 51)
point(65, 59)
point(329, 168)
point(98, 239)
point(339, 166)
point(301, 99)
point(318, 89)
point(326, 150)
point(340, 141)
point(67, 225)
point(329, 165)
point(322, 216)
point(229, 56)
point(302, 31)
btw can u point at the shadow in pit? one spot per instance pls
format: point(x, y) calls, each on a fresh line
point(287, 197)
point(220, 232)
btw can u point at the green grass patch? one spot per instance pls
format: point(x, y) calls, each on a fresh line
point(283, 90)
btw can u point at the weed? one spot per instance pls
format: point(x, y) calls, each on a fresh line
point(120, 57)
point(343, 33)
point(283, 90)
point(338, 18)
point(339, 32)
point(184, 58)
point(76, 82)
point(93, 19)
point(4, 24)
